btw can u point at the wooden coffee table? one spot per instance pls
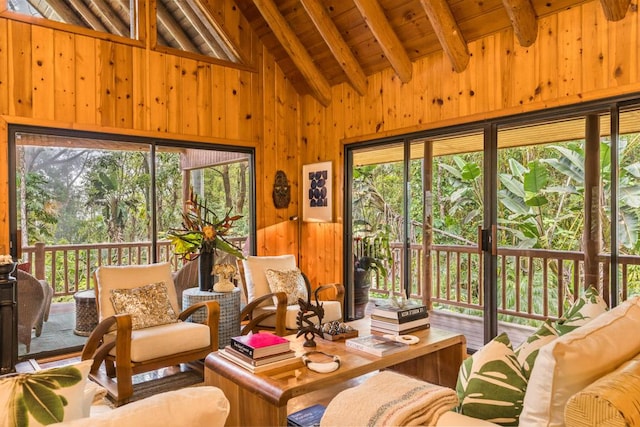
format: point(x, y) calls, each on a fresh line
point(261, 399)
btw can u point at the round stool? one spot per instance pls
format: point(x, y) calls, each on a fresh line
point(86, 312)
point(229, 325)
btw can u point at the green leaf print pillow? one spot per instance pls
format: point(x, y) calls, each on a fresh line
point(587, 307)
point(527, 352)
point(43, 397)
point(491, 384)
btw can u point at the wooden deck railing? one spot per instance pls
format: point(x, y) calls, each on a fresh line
point(532, 283)
point(69, 268)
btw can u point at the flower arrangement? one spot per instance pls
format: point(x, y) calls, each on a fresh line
point(6, 259)
point(202, 231)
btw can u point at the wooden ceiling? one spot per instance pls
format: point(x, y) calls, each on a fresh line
point(321, 43)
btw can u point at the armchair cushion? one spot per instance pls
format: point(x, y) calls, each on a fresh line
point(148, 305)
point(44, 397)
point(290, 282)
point(151, 343)
point(332, 311)
point(129, 277)
point(255, 276)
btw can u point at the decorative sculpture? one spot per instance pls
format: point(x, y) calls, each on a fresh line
point(281, 190)
point(305, 321)
point(224, 272)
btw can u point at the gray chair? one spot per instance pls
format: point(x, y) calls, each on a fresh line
point(48, 296)
point(185, 278)
point(31, 307)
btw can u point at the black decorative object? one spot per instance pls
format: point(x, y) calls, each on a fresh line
point(281, 190)
point(305, 321)
point(205, 271)
point(8, 318)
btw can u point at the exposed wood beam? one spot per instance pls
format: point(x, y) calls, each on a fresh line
point(196, 21)
point(172, 26)
point(110, 19)
point(448, 33)
point(615, 10)
point(293, 46)
point(329, 32)
point(523, 20)
point(87, 15)
point(375, 18)
point(64, 12)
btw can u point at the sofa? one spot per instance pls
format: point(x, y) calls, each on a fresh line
point(583, 370)
point(64, 396)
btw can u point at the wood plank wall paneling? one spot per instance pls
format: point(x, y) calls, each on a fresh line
point(57, 78)
point(578, 55)
point(95, 84)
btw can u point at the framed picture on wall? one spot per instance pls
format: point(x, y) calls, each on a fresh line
point(317, 192)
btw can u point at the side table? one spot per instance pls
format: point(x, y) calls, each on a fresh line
point(229, 325)
point(86, 312)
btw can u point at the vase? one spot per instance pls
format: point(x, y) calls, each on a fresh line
point(6, 270)
point(205, 271)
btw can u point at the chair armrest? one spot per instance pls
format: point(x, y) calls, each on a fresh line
point(338, 291)
point(100, 342)
point(251, 323)
point(212, 319)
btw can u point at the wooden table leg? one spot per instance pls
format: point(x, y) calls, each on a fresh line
point(246, 408)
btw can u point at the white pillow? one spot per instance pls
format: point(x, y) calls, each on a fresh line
point(575, 360)
point(46, 396)
point(204, 406)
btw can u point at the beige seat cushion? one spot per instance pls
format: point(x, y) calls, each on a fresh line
point(573, 361)
point(163, 340)
point(613, 400)
point(332, 311)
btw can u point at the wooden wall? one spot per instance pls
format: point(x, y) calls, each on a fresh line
point(52, 76)
point(578, 56)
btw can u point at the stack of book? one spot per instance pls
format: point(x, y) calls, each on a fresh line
point(392, 320)
point(259, 352)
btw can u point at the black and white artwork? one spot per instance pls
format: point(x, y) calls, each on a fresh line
point(317, 192)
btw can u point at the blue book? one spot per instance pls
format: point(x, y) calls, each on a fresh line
point(307, 417)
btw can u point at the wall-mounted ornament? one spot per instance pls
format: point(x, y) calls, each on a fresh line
point(281, 190)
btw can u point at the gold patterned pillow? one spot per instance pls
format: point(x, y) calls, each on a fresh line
point(290, 282)
point(148, 305)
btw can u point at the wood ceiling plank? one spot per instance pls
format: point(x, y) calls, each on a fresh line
point(175, 30)
point(393, 49)
point(336, 44)
point(65, 12)
point(615, 10)
point(87, 15)
point(523, 20)
point(315, 80)
point(109, 19)
point(448, 32)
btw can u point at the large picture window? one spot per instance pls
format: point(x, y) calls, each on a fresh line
point(83, 200)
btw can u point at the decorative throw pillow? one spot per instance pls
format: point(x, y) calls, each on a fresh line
point(589, 306)
point(527, 352)
point(290, 282)
point(148, 305)
point(44, 397)
point(491, 384)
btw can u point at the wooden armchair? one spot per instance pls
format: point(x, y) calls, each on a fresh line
point(275, 311)
point(128, 343)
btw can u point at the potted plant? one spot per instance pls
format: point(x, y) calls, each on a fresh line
point(203, 234)
point(372, 254)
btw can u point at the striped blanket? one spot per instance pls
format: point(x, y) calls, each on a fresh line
point(389, 399)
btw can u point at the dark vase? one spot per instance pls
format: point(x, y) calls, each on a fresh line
point(361, 285)
point(205, 271)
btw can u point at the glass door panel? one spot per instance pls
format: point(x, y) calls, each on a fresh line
point(455, 201)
